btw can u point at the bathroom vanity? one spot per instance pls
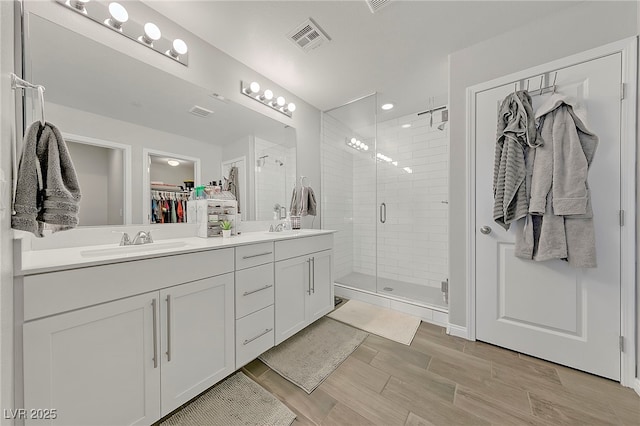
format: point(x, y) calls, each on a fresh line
point(126, 337)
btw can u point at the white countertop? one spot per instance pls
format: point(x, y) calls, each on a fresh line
point(51, 260)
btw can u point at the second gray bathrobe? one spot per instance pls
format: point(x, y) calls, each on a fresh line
point(561, 225)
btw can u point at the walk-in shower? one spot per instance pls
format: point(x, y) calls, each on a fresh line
point(385, 190)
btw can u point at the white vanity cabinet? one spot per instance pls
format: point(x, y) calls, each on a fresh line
point(137, 358)
point(303, 283)
point(95, 365)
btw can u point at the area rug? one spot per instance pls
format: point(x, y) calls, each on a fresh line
point(383, 322)
point(307, 358)
point(238, 400)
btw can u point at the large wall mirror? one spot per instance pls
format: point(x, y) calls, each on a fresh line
point(98, 93)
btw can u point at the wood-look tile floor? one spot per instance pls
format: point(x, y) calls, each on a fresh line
point(445, 380)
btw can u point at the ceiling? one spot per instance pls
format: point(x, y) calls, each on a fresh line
point(400, 51)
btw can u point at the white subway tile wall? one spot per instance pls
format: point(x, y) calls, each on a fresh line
point(411, 179)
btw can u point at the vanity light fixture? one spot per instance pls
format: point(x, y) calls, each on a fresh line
point(114, 15)
point(119, 16)
point(151, 33)
point(356, 144)
point(266, 97)
point(173, 163)
point(387, 107)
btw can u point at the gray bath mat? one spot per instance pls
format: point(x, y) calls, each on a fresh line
point(236, 401)
point(307, 358)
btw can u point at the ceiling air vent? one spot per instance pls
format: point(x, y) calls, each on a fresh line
point(200, 112)
point(308, 35)
point(376, 5)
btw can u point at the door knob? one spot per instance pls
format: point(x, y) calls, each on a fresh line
point(486, 230)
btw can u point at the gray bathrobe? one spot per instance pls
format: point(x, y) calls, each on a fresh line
point(47, 189)
point(516, 133)
point(561, 221)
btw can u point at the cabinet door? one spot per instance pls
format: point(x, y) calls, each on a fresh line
point(197, 335)
point(321, 298)
point(292, 289)
point(95, 366)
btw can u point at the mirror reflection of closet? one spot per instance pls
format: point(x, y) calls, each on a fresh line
point(103, 172)
point(168, 176)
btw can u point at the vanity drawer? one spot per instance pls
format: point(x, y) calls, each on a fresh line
point(56, 292)
point(301, 246)
point(253, 255)
point(254, 335)
point(254, 289)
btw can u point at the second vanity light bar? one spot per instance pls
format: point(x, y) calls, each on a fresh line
point(267, 98)
point(114, 16)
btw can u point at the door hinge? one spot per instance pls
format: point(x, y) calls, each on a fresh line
point(621, 344)
point(621, 214)
point(621, 91)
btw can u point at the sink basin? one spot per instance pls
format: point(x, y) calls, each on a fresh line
point(142, 248)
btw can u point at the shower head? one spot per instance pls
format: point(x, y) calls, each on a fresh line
point(279, 163)
point(261, 160)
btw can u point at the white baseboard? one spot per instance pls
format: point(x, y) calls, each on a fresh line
point(636, 386)
point(458, 331)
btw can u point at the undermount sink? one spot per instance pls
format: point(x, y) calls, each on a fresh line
point(142, 248)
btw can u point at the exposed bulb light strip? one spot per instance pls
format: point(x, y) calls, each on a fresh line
point(266, 97)
point(115, 16)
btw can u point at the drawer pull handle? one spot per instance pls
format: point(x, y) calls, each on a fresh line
point(246, 293)
point(257, 255)
point(246, 342)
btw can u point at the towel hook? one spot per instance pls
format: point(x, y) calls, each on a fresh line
point(302, 178)
point(541, 84)
point(41, 99)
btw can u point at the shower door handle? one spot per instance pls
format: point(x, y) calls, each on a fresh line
point(383, 213)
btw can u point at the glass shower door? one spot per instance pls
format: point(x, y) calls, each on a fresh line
point(412, 187)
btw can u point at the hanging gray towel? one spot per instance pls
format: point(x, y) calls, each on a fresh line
point(232, 184)
point(47, 188)
point(311, 202)
point(516, 133)
point(294, 208)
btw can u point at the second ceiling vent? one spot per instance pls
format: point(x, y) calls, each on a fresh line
point(376, 5)
point(308, 35)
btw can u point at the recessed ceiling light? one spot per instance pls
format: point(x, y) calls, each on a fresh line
point(173, 163)
point(406, 126)
point(387, 107)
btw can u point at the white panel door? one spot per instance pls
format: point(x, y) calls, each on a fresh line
point(549, 309)
point(198, 339)
point(95, 366)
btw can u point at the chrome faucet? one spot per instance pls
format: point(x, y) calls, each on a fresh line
point(279, 227)
point(142, 237)
point(125, 240)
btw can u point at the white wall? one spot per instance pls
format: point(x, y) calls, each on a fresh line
point(172, 175)
point(116, 188)
point(581, 27)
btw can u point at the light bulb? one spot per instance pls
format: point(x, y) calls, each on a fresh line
point(254, 87)
point(291, 107)
point(280, 101)
point(387, 107)
point(406, 126)
point(178, 47)
point(366, 147)
point(119, 16)
point(173, 163)
point(151, 33)
point(358, 143)
point(353, 141)
point(266, 96)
